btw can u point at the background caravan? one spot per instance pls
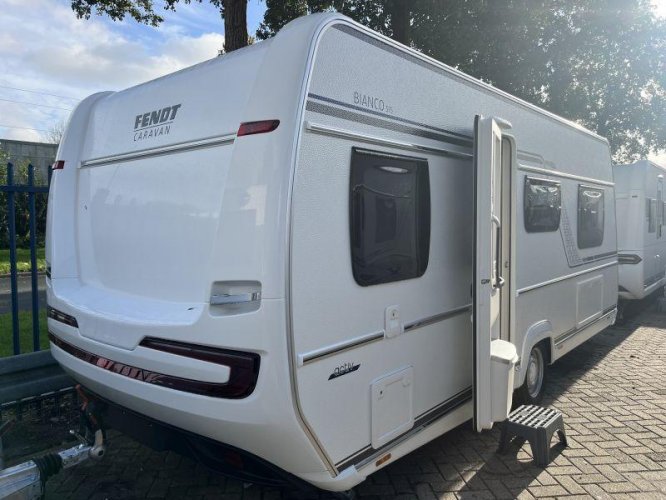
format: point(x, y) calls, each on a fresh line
point(277, 277)
point(640, 228)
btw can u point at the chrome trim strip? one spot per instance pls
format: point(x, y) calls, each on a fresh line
point(562, 278)
point(436, 318)
point(372, 139)
point(555, 173)
point(575, 331)
point(655, 278)
point(308, 357)
point(323, 352)
point(217, 140)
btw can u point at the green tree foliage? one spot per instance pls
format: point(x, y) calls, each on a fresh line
point(601, 63)
point(234, 13)
point(21, 206)
point(380, 15)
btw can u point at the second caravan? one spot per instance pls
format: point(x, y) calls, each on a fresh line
point(639, 189)
point(358, 250)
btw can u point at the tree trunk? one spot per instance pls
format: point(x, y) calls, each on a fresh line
point(400, 21)
point(235, 24)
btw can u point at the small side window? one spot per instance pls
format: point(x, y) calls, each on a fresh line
point(389, 217)
point(542, 202)
point(590, 217)
point(652, 217)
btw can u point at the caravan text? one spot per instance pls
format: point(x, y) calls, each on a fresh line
point(154, 123)
point(372, 102)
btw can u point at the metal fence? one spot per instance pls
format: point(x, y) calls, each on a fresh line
point(31, 379)
point(32, 190)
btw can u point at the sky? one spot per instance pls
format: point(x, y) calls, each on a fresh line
point(45, 49)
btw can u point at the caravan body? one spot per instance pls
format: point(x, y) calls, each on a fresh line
point(641, 235)
point(298, 289)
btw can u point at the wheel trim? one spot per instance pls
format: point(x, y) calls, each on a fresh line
point(534, 377)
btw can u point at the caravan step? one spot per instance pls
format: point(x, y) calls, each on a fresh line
point(536, 425)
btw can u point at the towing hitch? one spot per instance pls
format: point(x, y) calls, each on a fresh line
point(27, 481)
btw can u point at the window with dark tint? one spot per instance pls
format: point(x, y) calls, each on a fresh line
point(542, 203)
point(652, 219)
point(389, 217)
point(590, 217)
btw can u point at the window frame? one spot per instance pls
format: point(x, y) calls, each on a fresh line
point(422, 215)
point(528, 180)
point(602, 191)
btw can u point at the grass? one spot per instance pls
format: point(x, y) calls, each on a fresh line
point(25, 332)
point(22, 260)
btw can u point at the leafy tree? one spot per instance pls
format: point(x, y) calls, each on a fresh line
point(234, 13)
point(601, 63)
point(391, 17)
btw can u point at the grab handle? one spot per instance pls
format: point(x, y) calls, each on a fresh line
point(499, 280)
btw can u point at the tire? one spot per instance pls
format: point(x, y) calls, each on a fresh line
point(531, 392)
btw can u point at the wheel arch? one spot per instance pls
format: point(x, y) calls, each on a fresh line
point(539, 332)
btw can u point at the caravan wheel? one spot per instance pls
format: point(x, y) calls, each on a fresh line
point(535, 378)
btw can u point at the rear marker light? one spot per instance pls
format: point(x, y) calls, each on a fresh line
point(61, 316)
point(628, 259)
point(58, 165)
point(249, 128)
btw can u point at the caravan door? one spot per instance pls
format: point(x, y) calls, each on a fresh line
point(493, 287)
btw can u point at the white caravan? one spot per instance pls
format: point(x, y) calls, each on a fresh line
point(641, 236)
point(316, 254)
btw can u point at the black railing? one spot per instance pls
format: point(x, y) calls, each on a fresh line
point(32, 190)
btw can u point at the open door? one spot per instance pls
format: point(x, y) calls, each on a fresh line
point(495, 356)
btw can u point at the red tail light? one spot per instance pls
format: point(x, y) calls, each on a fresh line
point(242, 377)
point(244, 366)
point(249, 128)
point(58, 165)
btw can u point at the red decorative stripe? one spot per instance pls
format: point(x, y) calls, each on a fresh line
point(242, 377)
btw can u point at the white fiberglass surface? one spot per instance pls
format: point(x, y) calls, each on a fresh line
point(147, 227)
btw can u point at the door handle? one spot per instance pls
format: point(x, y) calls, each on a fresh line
point(241, 298)
point(499, 279)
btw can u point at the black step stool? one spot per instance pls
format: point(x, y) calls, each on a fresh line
point(536, 425)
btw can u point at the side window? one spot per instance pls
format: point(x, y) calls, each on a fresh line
point(389, 217)
point(652, 217)
point(590, 216)
point(542, 202)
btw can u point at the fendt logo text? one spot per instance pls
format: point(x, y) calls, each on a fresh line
point(155, 123)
